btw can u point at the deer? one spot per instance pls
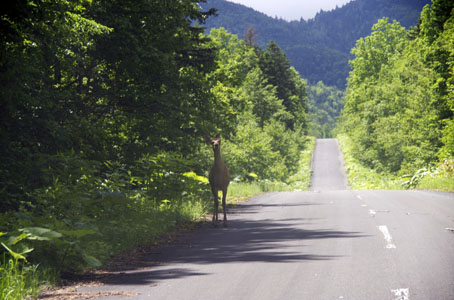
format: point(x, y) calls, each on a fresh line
point(219, 178)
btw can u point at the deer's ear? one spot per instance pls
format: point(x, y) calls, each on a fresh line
point(207, 139)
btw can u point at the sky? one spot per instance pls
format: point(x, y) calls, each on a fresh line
point(292, 9)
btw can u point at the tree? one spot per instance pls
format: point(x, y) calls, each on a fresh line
point(398, 106)
point(289, 86)
point(260, 141)
point(374, 51)
point(262, 96)
point(250, 36)
point(363, 102)
point(155, 85)
point(99, 81)
point(46, 101)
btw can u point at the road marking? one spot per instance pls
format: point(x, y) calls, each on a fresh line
point(372, 212)
point(388, 237)
point(401, 294)
point(450, 229)
point(359, 197)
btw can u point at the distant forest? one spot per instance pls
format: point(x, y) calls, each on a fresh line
point(318, 48)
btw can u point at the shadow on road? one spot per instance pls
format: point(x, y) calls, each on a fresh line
point(256, 241)
point(270, 241)
point(253, 208)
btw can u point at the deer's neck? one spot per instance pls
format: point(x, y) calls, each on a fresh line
point(217, 157)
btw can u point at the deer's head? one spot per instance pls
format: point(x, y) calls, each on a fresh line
point(216, 142)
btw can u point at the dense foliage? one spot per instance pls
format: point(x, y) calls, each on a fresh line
point(319, 48)
point(399, 100)
point(269, 99)
point(325, 106)
point(104, 105)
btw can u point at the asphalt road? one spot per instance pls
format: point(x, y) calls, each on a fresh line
point(328, 167)
point(328, 243)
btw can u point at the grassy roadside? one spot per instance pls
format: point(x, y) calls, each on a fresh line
point(440, 178)
point(301, 181)
point(136, 225)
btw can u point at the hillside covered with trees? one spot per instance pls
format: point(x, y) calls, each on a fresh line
point(103, 112)
point(318, 48)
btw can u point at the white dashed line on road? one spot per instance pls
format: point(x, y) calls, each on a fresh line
point(401, 294)
point(387, 236)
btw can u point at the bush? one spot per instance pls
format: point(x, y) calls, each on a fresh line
point(250, 151)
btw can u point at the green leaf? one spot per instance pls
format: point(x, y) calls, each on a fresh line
point(40, 233)
point(196, 177)
point(91, 261)
point(252, 175)
point(15, 255)
point(13, 240)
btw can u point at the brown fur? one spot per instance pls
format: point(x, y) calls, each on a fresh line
point(219, 178)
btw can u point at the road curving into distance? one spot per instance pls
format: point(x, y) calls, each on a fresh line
point(327, 243)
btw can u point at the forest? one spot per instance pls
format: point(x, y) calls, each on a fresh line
point(318, 48)
point(103, 112)
point(325, 104)
point(399, 102)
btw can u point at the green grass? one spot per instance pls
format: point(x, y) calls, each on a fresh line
point(241, 190)
point(363, 178)
point(301, 181)
point(19, 279)
point(438, 183)
point(132, 227)
point(441, 178)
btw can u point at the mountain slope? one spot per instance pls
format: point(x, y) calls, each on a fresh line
point(318, 48)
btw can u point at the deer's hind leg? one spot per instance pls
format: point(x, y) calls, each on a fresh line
point(224, 196)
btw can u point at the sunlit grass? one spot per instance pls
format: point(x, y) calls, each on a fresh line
point(242, 190)
point(301, 181)
point(437, 182)
point(361, 177)
point(20, 280)
point(440, 178)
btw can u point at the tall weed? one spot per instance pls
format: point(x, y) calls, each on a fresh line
point(361, 177)
point(17, 280)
